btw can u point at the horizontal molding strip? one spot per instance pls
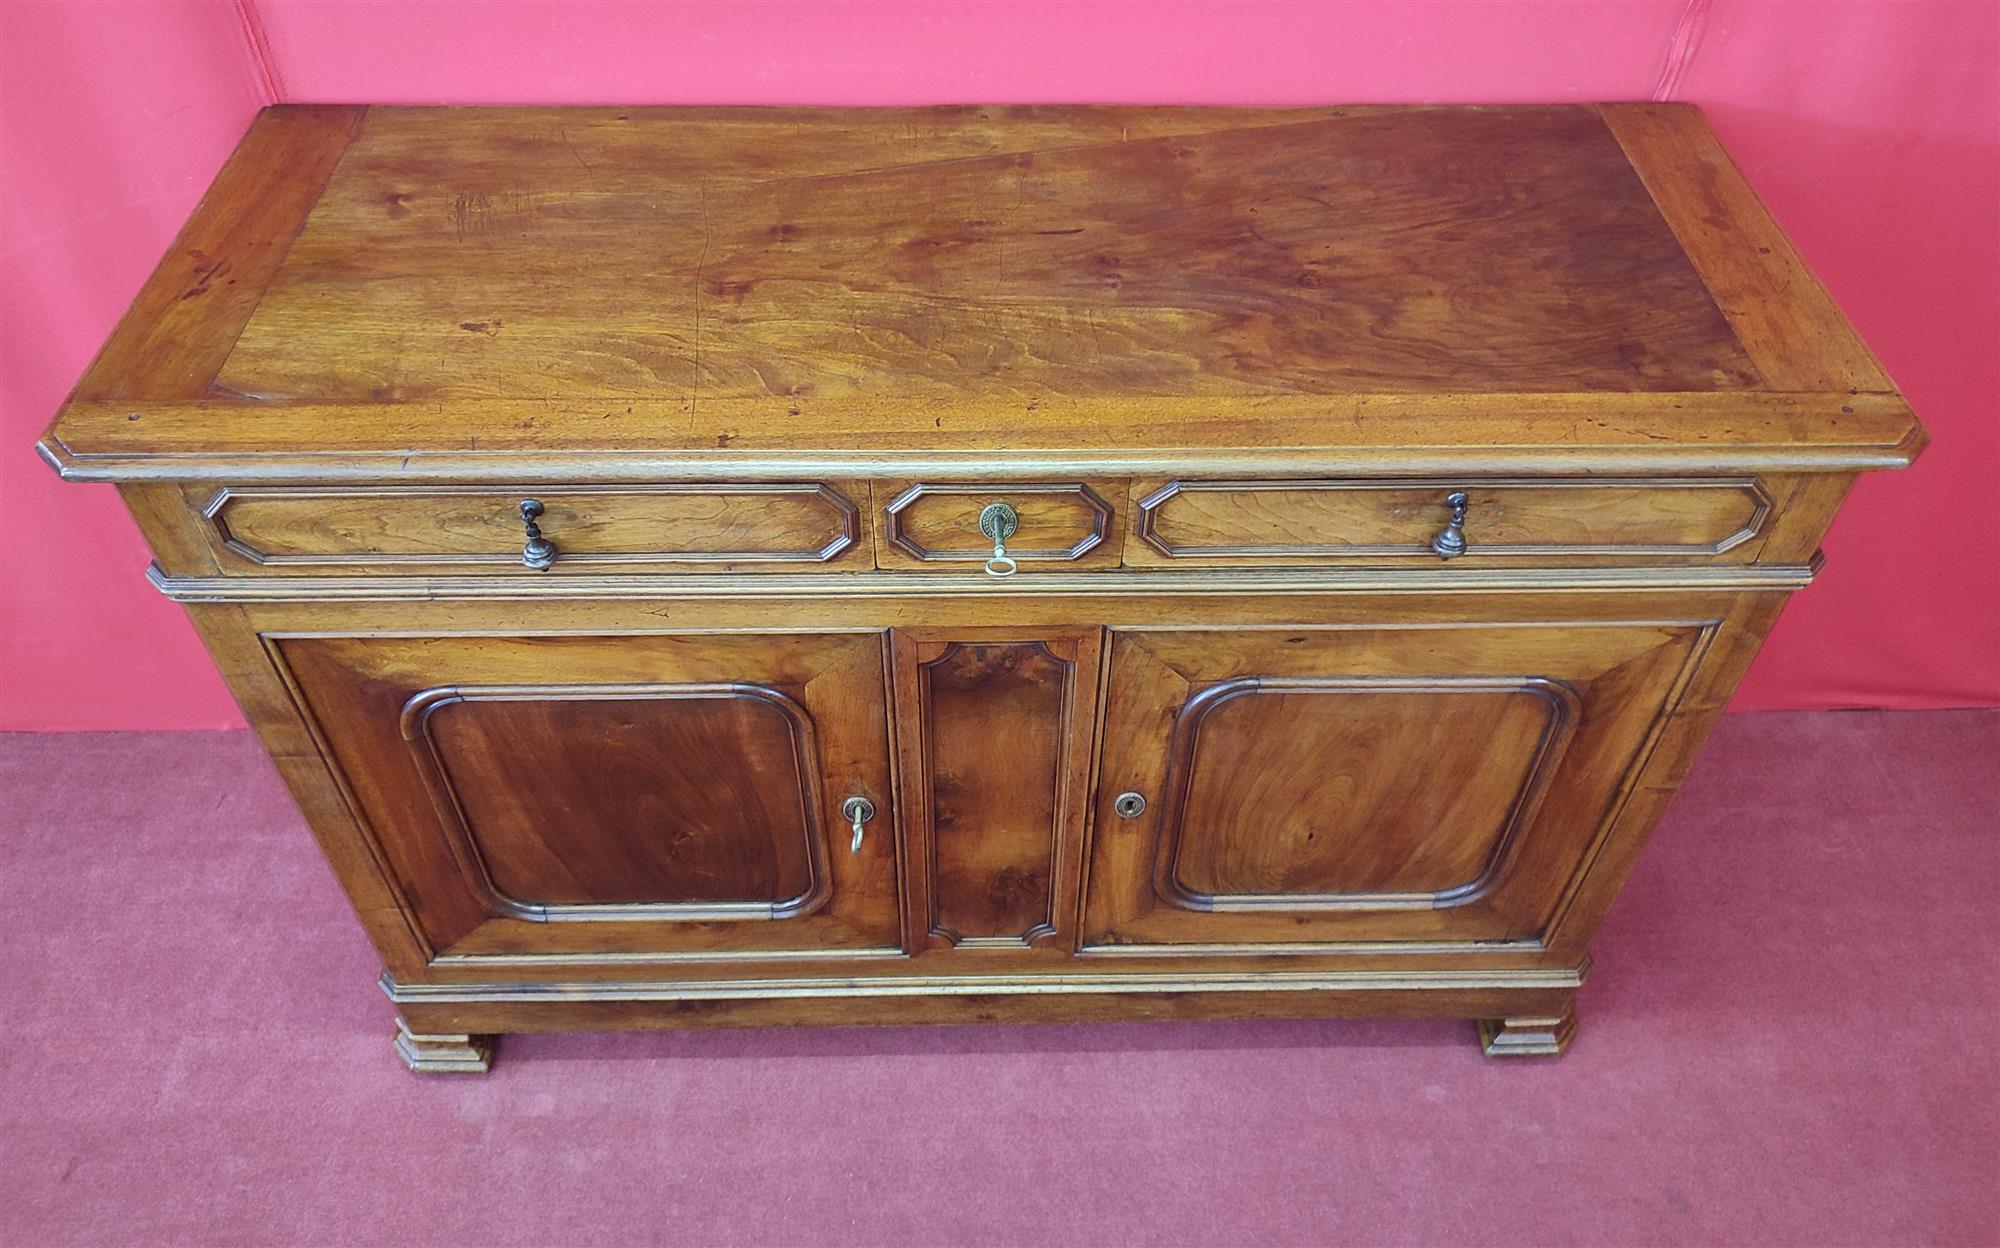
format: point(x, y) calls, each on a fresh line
point(1057, 984)
point(554, 469)
point(722, 426)
point(1492, 949)
point(1125, 582)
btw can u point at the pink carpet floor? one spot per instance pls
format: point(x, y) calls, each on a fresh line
point(1789, 1039)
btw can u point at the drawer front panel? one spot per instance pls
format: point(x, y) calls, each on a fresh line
point(482, 529)
point(928, 524)
point(1323, 521)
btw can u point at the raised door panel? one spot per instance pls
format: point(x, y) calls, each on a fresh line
point(656, 798)
point(1323, 787)
point(996, 735)
point(570, 797)
point(1297, 793)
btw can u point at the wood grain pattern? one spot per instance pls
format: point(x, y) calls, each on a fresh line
point(547, 440)
point(484, 959)
point(1778, 309)
point(994, 718)
point(600, 801)
point(1302, 794)
point(546, 281)
point(1222, 262)
point(996, 734)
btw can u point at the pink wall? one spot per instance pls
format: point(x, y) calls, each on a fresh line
point(113, 118)
point(1872, 129)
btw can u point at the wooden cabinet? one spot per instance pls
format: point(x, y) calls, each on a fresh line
point(769, 567)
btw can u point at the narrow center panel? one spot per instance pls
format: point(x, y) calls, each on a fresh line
point(995, 759)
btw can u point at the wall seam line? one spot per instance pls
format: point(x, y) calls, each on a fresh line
point(271, 84)
point(1681, 49)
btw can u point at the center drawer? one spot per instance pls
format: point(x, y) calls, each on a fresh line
point(946, 526)
point(1310, 521)
point(487, 529)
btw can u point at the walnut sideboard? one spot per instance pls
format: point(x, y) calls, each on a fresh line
point(748, 567)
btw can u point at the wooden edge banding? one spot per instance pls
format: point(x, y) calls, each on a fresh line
point(173, 340)
point(1043, 431)
point(652, 440)
point(1791, 328)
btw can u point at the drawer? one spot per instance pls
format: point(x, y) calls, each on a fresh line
point(937, 524)
point(1328, 521)
point(481, 529)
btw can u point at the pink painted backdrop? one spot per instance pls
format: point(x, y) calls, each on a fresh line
point(113, 118)
point(1871, 128)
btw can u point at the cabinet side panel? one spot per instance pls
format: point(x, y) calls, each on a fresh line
point(297, 751)
point(1736, 642)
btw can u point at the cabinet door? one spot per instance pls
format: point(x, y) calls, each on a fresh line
point(576, 796)
point(1326, 786)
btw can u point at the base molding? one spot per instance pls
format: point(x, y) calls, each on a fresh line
point(447, 1023)
point(430, 1053)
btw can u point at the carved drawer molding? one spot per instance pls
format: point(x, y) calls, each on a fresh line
point(1279, 520)
point(931, 522)
point(381, 527)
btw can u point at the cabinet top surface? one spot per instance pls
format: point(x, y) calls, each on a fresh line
point(728, 282)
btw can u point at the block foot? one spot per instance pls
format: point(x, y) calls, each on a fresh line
point(445, 1054)
point(1527, 1035)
